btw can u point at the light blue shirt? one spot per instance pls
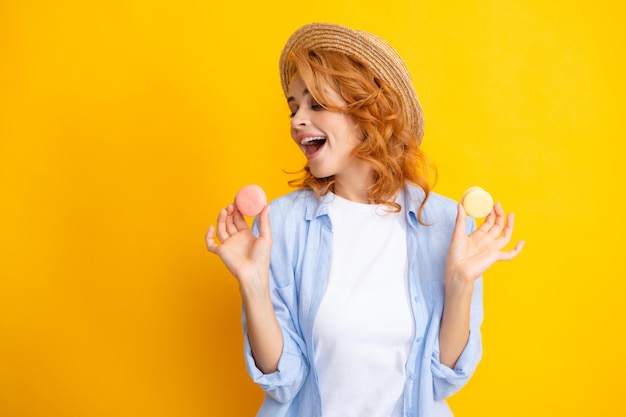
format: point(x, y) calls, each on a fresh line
point(300, 259)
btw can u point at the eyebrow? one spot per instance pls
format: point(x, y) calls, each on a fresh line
point(304, 93)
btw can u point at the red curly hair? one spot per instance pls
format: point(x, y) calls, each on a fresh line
point(389, 147)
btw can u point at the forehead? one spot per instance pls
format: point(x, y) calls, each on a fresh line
point(298, 90)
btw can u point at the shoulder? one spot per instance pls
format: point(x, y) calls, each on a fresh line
point(437, 208)
point(290, 213)
point(439, 211)
point(291, 222)
point(294, 204)
point(440, 208)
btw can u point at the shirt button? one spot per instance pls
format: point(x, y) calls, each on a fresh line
point(409, 414)
point(416, 299)
point(412, 376)
point(419, 339)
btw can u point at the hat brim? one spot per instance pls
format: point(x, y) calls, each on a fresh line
point(368, 49)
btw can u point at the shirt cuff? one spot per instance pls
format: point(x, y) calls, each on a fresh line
point(284, 383)
point(449, 380)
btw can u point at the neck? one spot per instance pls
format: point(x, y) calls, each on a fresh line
point(354, 186)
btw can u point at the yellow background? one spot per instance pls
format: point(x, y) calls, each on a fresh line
point(126, 125)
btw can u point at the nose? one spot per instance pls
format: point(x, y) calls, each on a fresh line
point(300, 119)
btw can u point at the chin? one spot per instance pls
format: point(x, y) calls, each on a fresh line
point(320, 174)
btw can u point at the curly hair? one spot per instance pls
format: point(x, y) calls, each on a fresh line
point(388, 147)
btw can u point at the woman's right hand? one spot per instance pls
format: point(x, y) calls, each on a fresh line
point(245, 255)
point(248, 259)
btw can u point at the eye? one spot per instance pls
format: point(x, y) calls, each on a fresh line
point(293, 113)
point(316, 106)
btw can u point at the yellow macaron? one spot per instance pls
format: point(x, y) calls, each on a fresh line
point(477, 202)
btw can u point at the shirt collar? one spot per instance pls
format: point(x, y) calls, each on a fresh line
point(413, 196)
point(317, 206)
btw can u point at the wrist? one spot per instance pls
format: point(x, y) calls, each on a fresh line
point(255, 285)
point(455, 284)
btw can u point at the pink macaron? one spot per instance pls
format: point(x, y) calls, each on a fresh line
point(250, 200)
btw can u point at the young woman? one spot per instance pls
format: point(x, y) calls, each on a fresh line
point(364, 296)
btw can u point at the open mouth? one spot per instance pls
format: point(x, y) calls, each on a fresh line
point(312, 144)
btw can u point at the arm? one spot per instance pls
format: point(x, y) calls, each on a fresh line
point(248, 257)
point(468, 258)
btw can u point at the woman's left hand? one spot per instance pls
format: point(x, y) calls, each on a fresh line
point(471, 255)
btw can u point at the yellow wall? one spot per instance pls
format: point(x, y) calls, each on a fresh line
point(126, 125)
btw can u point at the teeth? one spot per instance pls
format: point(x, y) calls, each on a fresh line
point(307, 141)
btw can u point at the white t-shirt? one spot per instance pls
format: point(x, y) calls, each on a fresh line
point(364, 327)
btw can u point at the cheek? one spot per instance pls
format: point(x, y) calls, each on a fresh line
point(343, 124)
point(353, 131)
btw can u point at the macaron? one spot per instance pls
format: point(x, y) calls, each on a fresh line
point(477, 202)
point(250, 200)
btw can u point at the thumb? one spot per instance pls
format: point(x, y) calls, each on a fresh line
point(265, 231)
point(461, 220)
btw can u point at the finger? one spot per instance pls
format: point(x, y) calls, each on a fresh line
point(487, 224)
point(507, 256)
point(222, 233)
point(498, 220)
point(210, 240)
point(265, 231)
point(508, 229)
point(239, 220)
point(230, 224)
point(461, 220)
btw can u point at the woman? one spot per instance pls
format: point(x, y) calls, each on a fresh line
point(364, 296)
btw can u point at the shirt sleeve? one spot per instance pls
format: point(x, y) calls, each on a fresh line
point(293, 365)
point(447, 381)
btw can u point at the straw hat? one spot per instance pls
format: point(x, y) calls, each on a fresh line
point(366, 48)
